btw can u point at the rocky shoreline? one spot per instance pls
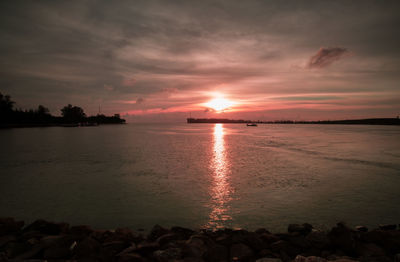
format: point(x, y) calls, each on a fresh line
point(48, 241)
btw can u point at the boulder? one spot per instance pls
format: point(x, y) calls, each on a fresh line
point(146, 248)
point(318, 239)
point(7, 239)
point(110, 249)
point(269, 238)
point(170, 254)
point(369, 250)
point(197, 245)
point(128, 250)
point(46, 227)
point(130, 257)
point(87, 248)
point(81, 231)
point(361, 228)
point(184, 233)
point(216, 253)
point(168, 238)
point(241, 252)
point(303, 229)
point(267, 259)
point(261, 231)
point(156, 232)
point(9, 226)
point(387, 227)
point(285, 247)
point(342, 237)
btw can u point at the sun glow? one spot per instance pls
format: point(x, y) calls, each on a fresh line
point(219, 104)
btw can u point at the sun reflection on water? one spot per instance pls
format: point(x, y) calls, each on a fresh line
point(221, 191)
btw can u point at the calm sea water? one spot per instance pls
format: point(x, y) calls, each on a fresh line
point(202, 175)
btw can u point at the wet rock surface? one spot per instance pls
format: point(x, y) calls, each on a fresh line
point(49, 241)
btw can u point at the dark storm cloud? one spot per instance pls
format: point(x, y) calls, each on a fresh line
point(326, 56)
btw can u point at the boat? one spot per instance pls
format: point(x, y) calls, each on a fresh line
point(251, 124)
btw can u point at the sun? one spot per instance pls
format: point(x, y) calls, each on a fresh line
point(219, 104)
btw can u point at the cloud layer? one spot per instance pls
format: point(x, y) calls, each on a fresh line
point(326, 56)
point(151, 58)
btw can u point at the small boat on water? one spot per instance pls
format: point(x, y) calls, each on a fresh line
point(251, 124)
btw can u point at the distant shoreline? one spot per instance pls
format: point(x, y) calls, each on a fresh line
point(43, 240)
point(369, 121)
point(8, 126)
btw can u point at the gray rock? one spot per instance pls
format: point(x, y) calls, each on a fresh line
point(318, 239)
point(167, 254)
point(87, 248)
point(267, 259)
point(309, 259)
point(46, 227)
point(156, 232)
point(241, 252)
point(388, 227)
point(303, 229)
point(342, 237)
point(131, 257)
point(361, 228)
point(9, 226)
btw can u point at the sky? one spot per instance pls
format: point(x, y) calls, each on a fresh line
point(163, 61)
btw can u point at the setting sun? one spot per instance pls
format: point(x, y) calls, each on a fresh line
point(219, 104)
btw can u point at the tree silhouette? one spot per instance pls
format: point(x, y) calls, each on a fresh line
point(73, 114)
point(42, 110)
point(6, 105)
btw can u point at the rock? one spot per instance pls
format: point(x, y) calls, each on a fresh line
point(342, 238)
point(127, 235)
point(131, 257)
point(387, 227)
point(57, 253)
point(369, 250)
point(299, 241)
point(285, 247)
point(240, 252)
point(81, 230)
point(145, 248)
point(109, 249)
point(58, 247)
point(361, 229)
point(168, 238)
point(9, 226)
point(267, 259)
point(6, 239)
point(46, 227)
point(318, 239)
point(184, 233)
point(167, 254)
point(269, 238)
point(261, 231)
point(13, 249)
point(197, 245)
point(87, 248)
point(388, 240)
point(216, 253)
point(309, 259)
point(128, 250)
point(156, 232)
point(303, 229)
point(251, 239)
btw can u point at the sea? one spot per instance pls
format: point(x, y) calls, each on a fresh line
point(208, 176)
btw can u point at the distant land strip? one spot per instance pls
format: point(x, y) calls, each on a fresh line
point(369, 121)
